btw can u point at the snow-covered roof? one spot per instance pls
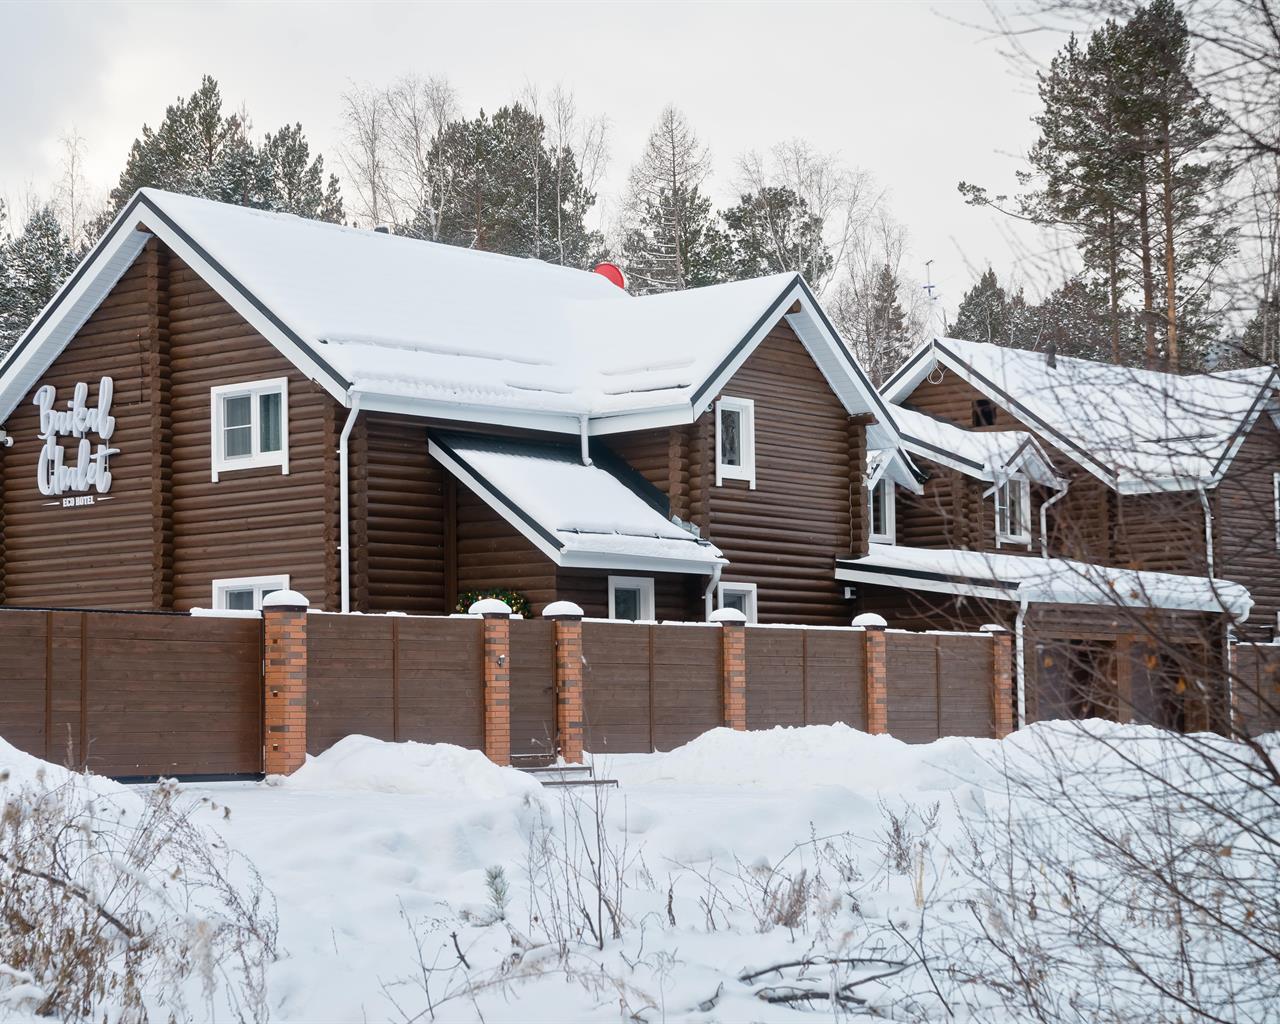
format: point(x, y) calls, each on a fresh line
point(1040, 580)
point(1138, 430)
point(601, 516)
point(410, 326)
point(984, 454)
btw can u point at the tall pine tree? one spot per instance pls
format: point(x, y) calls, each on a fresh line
point(989, 313)
point(772, 231)
point(32, 266)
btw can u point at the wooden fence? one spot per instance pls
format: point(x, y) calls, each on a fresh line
point(143, 694)
point(1256, 687)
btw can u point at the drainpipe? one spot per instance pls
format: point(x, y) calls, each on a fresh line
point(344, 499)
point(709, 596)
point(586, 444)
point(1208, 528)
point(1019, 660)
point(1044, 521)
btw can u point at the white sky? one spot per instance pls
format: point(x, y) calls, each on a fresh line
point(903, 90)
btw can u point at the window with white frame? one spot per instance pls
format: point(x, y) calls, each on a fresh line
point(1013, 511)
point(736, 440)
point(883, 512)
point(245, 593)
point(739, 596)
point(631, 598)
point(1275, 505)
point(250, 425)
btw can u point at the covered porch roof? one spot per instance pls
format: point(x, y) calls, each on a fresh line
point(1026, 578)
point(598, 516)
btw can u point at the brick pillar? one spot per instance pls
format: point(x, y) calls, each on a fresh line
point(733, 638)
point(875, 672)
point(284, 678)
point(497, 678)
point(567, 617)
point(1001, 680)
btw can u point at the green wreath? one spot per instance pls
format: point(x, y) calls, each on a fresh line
point(516, 601)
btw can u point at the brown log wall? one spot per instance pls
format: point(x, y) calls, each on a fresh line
point(1246, 548)
point(133, 694)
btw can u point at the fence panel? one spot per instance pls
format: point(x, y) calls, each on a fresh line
point(965, 675)
point(911, 670)
point(440, 672)
point(835, 677)
point(687, 684)
point(775, 677)
point(1257, 687)
point(351, 678)
point(616, 691)
point(533, 687)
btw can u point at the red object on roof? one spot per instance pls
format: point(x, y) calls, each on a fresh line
point(612, 272)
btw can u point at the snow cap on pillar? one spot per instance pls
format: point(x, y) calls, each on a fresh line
point(290, 599)
point(870, 620)
point(728, 615)
point(992, 627)
point(489, 606)
point(562, 610)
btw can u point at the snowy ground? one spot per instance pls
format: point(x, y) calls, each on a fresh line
point(730, 855)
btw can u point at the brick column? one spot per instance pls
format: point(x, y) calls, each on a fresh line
point(497, 678)
point(1001, 680)
point(284, 678)
point(567, 617)
point(733, 637)
point(875, 671)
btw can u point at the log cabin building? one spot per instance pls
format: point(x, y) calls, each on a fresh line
point(222, 402)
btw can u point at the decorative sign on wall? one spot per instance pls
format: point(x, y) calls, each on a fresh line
point(91, 470)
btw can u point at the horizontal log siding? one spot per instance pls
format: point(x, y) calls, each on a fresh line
point(785, 535)
point(1245, 528)
point(401, 489)
point(100, 555)
point(677, 598)
point(255, 521)
point(491, 553)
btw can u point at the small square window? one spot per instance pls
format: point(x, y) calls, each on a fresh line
point(740, 596)
point(984, 412)
point(1013, 511)
point(245, 593)
point(631, 598)
point(250, 426)
point(735, 440)
point(883, 512)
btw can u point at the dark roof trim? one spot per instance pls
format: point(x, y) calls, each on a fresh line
point(922, 574)
point(945, 452)
point(249, 296)
point(630, 478)
point(848, 354)
point(728, 360)
point(1245, 424)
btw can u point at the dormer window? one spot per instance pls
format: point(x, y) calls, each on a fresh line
point(736, 440)
point(1013, 511)
point(883, 512)
point(984, 412)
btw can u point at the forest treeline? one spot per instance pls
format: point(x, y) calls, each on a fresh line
point(1133, 165)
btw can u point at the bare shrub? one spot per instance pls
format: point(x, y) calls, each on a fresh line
point(123, 909)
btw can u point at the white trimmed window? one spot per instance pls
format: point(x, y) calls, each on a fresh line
point(1275, 505)
point(883, 512)
point(1013, 511)
point(740, 596)
point(631, 598)
point(250, 425)
point(245, 593)
point(736, 440)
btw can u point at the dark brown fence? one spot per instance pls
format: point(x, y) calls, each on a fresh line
point(805, 676)
point(1256, 690)
point(394, 677)
point(939, 684)
point(133, 694)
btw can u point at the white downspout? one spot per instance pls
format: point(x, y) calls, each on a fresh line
point(586, 443)
point(1019, 660)
point(1208, 528)
point(1044, 521)
point(709, 596)
point(344, 500)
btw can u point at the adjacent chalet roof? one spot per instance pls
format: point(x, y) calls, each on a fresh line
point(1040, 580)
point(403, 325)
point(1138, 430)
point(604, 515)
point(984, 454)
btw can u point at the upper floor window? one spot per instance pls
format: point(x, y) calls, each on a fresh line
point(631, 598)
point(741, 596)
point(883, 512)
point(984, 412)
point(1275, 505)
point(250, 425)
point(736, 440)
point(245, 593)
point(1013, 511)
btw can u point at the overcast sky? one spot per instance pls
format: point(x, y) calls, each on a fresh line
point(903, 90)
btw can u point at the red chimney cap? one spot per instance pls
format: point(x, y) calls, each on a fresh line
point(611, 272)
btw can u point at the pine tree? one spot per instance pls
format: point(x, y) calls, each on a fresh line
point(1261, 340)
point(988, 313)
point(294, 183)
point(32, 267)
point(772, 231)
point(671, 239)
